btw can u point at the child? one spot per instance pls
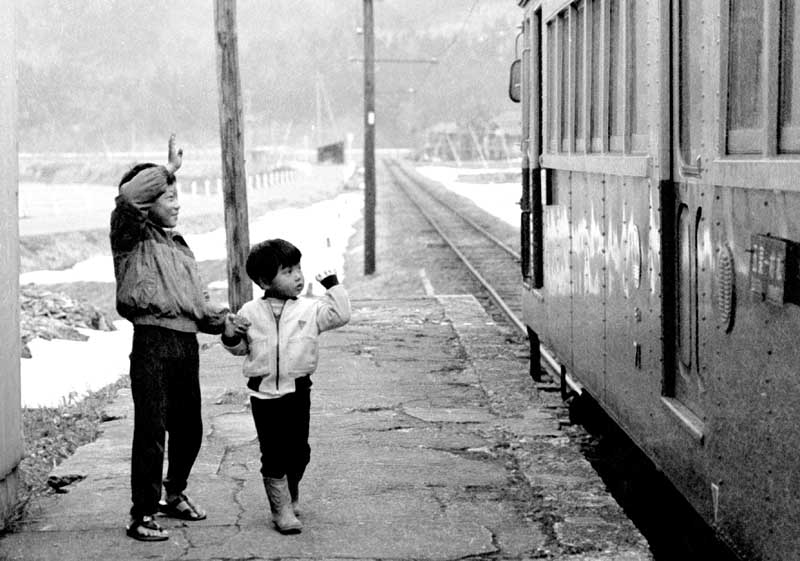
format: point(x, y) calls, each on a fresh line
point(160, 292)
point(278, 334)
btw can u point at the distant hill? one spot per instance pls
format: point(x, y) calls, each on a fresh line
point(118, 75)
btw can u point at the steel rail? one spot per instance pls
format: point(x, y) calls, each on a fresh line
point(549, 360)
point(500, 243)
point(516, 321)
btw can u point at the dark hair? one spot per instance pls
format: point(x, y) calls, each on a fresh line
point(131, 173)
point(267, 257)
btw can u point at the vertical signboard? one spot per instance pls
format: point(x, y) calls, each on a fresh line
point(775, 269)
point(10, 413)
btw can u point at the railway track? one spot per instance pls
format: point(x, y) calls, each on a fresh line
point(493, 263)
point(631, 477)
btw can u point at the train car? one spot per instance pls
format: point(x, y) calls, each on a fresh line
point(661, 239)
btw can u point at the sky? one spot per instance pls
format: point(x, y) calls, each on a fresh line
point(59, 370)
point(114, 75)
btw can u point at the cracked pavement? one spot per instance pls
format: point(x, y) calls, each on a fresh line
point(428, 439)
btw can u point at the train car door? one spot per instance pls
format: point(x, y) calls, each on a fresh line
point(693, 97)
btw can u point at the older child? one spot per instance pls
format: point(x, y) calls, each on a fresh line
point(278, 334)
point(160, 292)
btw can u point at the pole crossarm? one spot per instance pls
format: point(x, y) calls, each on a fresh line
point(408, 91)
point(432, 60)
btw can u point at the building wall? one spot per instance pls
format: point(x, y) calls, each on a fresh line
point(10, 393)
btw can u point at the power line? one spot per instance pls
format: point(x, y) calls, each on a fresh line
point(461, 30)
point(398, 14)
point(452, 43)
point(430, 60)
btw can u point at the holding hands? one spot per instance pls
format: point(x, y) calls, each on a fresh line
point(235, 326)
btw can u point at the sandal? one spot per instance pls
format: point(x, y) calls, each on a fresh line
point(183, 508)
point(145, 529)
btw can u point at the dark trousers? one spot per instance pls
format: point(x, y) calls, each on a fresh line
point(282, 427)
point(166, 398)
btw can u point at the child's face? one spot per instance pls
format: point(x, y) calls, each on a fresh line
point(164, 211)
point(288, 282)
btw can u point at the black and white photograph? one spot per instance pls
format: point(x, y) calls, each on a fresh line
point(399, 280)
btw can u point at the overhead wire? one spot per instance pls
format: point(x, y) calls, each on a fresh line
point(450, 45)
point(446, 49)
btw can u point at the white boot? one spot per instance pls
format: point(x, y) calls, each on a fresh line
point(280, 503)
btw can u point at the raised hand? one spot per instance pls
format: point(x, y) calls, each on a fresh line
point(324, 274)
point(174, 158)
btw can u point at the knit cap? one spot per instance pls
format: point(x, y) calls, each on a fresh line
point(147, 185)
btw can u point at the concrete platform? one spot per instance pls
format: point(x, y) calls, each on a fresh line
point(428, 440)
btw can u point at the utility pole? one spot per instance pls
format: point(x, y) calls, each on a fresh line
point(234, 184)
point(369, 130)
point(369, 139)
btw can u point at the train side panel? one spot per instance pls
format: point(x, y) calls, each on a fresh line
point(633, 303)
point(588, 276)
point(616, 341)
point(549, 312)
point(671, 246)
point(751, 362)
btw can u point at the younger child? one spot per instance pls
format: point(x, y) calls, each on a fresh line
point(159, 290)
point(278, 333)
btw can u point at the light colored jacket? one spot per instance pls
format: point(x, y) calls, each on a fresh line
point(283, 350)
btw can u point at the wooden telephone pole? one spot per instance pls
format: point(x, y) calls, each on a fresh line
point(234, 182)
point(369, 139)
point(369, 130)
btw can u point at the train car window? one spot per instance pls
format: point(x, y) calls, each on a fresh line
point(616, 85)
point(579, 17)
point(691, 118)
point(745, 77)
point(694, 285)
point(535, 67)
point(551, 87)
point(515, 81)
point(549, 195)
point(564, 78)
point(639, 91)
point(597, 102)
point(789, 106)
point(596, 81)
point(684, 281)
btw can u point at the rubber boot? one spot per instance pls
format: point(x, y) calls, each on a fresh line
point(294, 490)
point(280, 503)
